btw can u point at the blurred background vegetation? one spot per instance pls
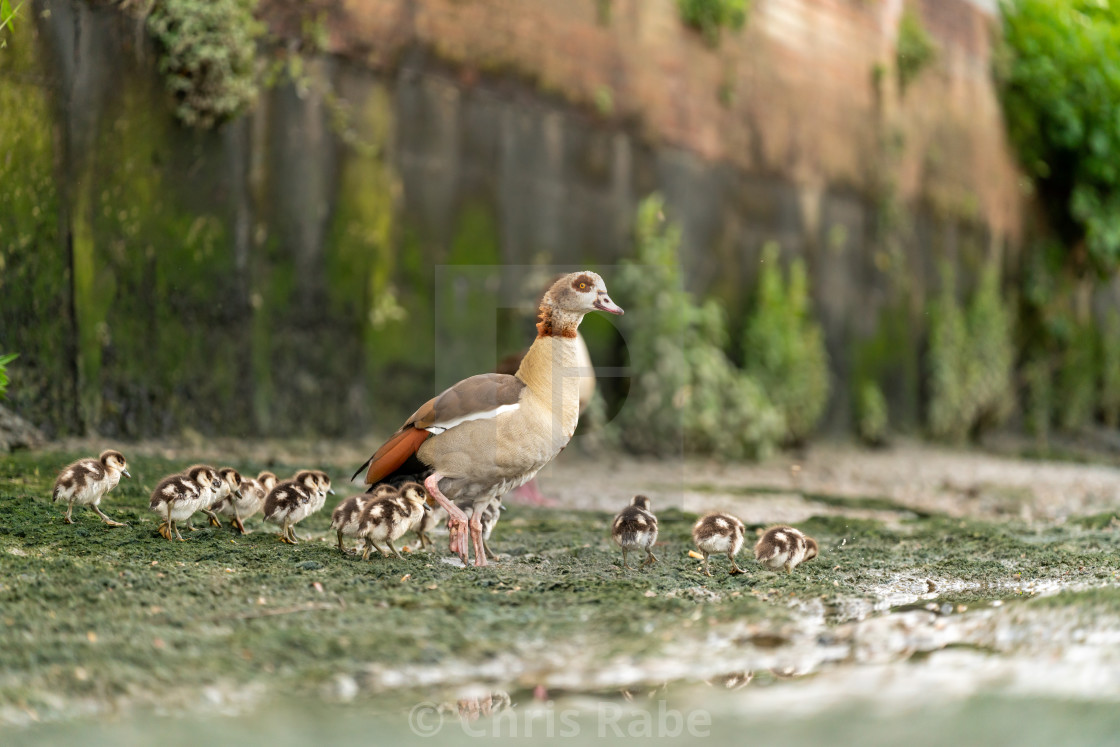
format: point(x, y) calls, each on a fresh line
point(238, 216)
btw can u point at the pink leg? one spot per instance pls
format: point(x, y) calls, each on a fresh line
point(476, 535)
point(456, 519)
point(530, 494)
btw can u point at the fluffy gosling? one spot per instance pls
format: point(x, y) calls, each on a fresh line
point(253, 493)
point(635, 528)
point(289, 503)
point(784, 547)
point(229, 490)
point(346, 517)
point(719, 533)
point(86, 482)
point(389, 518)
point(177, 497)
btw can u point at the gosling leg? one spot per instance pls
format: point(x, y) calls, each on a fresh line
point(105, 518)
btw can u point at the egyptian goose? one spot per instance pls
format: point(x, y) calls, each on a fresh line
point(489, 518)
point(86, 482)
point(635, 528)
point(253, 493)
point(177, 497)
point(493, 432)
point(290, 502)
point(719, 533)
point(390, 517)
point(345, 519)
point(784, 547)
point(530, 493)
point(229, 490)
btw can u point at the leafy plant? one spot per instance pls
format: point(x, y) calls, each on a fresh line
point(1059, 72)
point(7, 16)
point(871, 414)
point(1039, 385)
point(915, 49)
point(686, 392)
point(971, 359)
point(1110, 369)
point(207, 56)
point(4, 361)
point(783, 346)
point(1077, 378)
point(710, 16)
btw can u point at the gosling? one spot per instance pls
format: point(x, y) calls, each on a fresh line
point(177, 497)
point(86, 482)
point(635, 528)
point(253, 493)
point(289, 503)
point(784, 547)
point(230, 490)
point(346, 517)
point(719, 533)
point(389, 518)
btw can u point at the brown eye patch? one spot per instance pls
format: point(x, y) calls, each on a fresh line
point(582, 283)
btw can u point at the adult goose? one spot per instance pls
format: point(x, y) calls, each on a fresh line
point(493, 432)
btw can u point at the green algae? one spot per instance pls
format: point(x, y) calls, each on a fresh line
point(98, 611)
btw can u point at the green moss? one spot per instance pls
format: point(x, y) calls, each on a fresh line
point(147, 616)
point(34, 266)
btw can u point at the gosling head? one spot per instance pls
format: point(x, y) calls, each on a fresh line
point(114, 461)
point(231, 480)
point(268, 481)
point(415, 495)
point(811, 549)
point(205, 476)
point(640, 501)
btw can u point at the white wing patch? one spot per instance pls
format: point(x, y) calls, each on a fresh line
point(438, 428)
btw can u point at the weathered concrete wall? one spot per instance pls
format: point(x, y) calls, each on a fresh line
point(279, 276)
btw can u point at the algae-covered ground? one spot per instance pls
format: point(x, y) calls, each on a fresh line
point(903, 604)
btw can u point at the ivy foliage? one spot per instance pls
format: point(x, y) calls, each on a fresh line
point(915, 50)
point(1059, 73)
point(711, 16)
point(4, 361)
point(686, 392)
point(207, 56)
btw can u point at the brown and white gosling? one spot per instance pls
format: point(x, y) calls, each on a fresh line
point(345, 519)
point(432, 518)
point(253, 493)
point(229, 490)
point(177, 497)
point(290, 502)
point(389, 518)
point(322, 483)
point(719, 533)
point(635, 528)
point(784, 547)
point(86, 482)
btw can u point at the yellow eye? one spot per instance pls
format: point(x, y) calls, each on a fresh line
point(583, 286)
